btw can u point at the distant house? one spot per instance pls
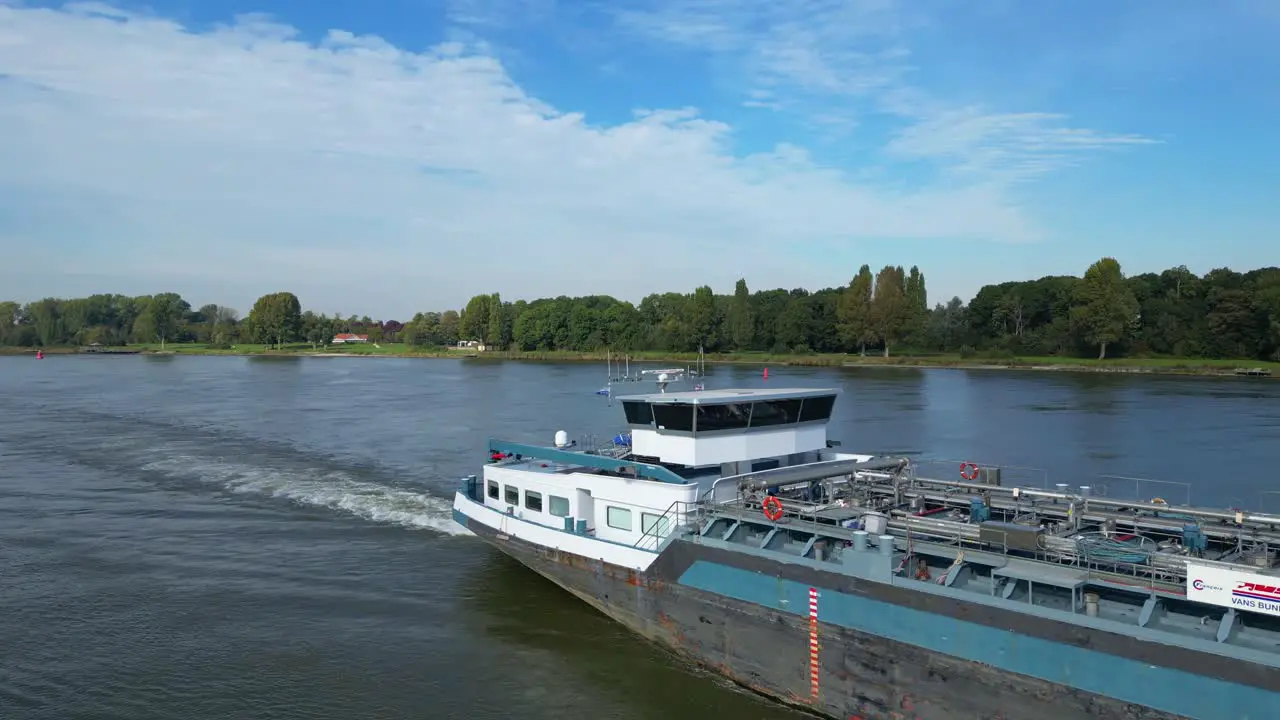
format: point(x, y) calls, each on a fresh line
point(341, 338)
point(476, 345)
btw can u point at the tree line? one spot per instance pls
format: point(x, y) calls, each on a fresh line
point(1103, 313)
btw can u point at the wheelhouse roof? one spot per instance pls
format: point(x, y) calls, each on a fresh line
point(728, 395)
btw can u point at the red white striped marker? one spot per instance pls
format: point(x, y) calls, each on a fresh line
point(813, 643)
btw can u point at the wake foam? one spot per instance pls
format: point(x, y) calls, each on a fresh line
point(332, 489)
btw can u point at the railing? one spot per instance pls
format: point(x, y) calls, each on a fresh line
point(1144, 489)
point(947, 470)
point(679, 516)
point(1139, 566)
point(1096, 554)
point(591, 460)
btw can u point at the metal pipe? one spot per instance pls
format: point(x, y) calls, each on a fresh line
point(1105, 502)
point(774, 477)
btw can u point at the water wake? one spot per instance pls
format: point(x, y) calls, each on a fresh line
point(331, 489)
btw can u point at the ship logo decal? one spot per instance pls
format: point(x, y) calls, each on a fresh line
point(1257, 591)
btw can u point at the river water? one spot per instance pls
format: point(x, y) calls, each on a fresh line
point(263, 538)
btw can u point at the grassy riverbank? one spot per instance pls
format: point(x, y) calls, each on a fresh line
point(1182, 366)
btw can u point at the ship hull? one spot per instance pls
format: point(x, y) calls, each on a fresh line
point(860, 675)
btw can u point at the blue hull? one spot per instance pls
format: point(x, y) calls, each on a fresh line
point(889, 652)
point(1172, 691)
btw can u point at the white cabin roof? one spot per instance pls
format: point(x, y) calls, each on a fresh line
point(729, 395)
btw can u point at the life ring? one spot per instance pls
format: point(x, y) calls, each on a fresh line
point(1159, 501)
point(772, 507)
point(969, 471)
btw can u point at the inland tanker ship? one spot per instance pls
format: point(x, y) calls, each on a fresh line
point(727, 527)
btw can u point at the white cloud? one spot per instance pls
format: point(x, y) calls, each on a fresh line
point(832, 60)
point(358, 173)
point(1015, 145)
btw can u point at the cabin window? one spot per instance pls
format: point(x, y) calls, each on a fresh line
point(492, 485)
point(651, 524)
point(775, 412)
point(513, 494)
point(734, 416)
point(671, 416)
point(765, 465)
point(618, 518)
point(638, 413)
point(533, 500)
point(558, 506)
point(817, 408)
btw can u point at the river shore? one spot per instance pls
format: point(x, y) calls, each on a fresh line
point(1161, 366)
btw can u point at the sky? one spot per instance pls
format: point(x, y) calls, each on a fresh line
point(386, 157)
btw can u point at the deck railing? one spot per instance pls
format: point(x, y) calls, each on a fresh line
point(680, 516)
point(1138, 568)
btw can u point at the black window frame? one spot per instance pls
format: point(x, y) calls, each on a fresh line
point(506, 496)
point(817, 408)
point(673, 417)
point(637, 412)
point(788, 412)
point(718, 416)
point(491, 487)
point(533, 500)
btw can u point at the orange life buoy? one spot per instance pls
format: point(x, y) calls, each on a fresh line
point(772, 508)
point(969, 471)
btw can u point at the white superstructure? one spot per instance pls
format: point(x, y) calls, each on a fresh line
point(620, 506)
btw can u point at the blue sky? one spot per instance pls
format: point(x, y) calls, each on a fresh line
point(391, 156)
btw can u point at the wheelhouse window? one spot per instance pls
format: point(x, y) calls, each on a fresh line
point(733, 416)
point(638, 413)
point(558, 506)
point(817, 408)
point(512, 494)
point(492, 487)
point(618, 518)
point(671, 416)
point(775, 412)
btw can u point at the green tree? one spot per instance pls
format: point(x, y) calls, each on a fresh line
point(741, 317)
point(702, 320)
point(917, 305)
point(853, 313)
point(164, 316)
point(10, 317)
point(1222, 314)
point(794, 326)
point(317, 329)
point(473, 323)
point(496, 327)
point(1105, 306)
point(47, 321)
point(277, 318)
point(889, 311)
point(449, 327)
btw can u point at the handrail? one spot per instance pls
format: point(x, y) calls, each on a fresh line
point(574, 457)
point(671, 515)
